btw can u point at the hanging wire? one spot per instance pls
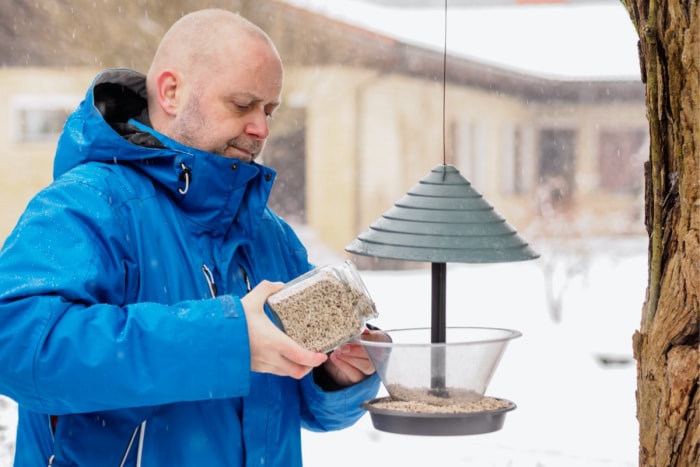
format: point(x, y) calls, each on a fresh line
point(444, 92)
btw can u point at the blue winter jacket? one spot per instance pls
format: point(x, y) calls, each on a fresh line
point(110, 340)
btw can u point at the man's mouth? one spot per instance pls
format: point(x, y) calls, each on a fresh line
point(246, 152)
point(241, 153)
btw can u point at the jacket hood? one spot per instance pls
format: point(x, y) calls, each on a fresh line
point(108, 126)
point(91, 132)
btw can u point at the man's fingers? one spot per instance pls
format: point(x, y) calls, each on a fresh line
point(343, 372)
point(256, 297)
point(272, 351)
point(353, 355)
point(293, 361)
point(356, 355)
point(300, 356)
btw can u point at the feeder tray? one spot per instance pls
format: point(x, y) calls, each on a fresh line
point(440, 424)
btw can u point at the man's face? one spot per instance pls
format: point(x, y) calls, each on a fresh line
point(226, 110)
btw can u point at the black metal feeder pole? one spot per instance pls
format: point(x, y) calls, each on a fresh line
point(438, 330)
point(439, 288)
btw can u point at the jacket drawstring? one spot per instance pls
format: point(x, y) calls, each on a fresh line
point(186, 176)
point(141, 430)
point(139, 451)
point(131, 443)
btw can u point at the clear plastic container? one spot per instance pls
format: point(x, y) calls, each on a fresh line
point(324, 308)
point(455, 372)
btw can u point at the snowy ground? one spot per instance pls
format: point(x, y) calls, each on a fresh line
point(572, 410)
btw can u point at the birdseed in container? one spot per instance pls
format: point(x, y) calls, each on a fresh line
point(324, 308)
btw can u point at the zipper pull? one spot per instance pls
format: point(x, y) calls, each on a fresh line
point(209, 276)
point(246, 279)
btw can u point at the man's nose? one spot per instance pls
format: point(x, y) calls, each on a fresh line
point(258, 126)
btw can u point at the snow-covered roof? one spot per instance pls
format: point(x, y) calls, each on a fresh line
point(563, 41)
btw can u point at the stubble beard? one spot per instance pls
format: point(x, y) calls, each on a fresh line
point(191, 128)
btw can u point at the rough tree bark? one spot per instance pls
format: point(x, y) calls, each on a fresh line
point(666, 346)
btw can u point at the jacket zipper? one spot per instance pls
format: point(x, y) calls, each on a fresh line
point(245, 278)
point(209, 276)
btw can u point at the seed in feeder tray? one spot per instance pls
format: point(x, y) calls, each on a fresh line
point(443, 396)
point(484, 404)
point(324, 314)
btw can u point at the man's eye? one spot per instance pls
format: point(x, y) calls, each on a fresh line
point(270, 111)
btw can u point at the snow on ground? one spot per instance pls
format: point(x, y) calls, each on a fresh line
point(8, 428)
point(572, 411)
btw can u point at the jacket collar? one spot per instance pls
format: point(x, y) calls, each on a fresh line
point(215, 192)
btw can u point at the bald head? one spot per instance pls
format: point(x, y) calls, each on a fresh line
point(211, 65)
point(200, 37)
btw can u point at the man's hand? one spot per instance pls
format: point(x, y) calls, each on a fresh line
point(349, 363)
point(271, 350)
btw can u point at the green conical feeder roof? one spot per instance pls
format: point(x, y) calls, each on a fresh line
point(442, 219)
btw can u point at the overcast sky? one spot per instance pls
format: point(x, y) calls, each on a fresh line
point(580, 40)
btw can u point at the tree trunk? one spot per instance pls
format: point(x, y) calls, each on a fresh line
point(666, 346)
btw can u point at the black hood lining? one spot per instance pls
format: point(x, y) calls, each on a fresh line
point(118, 104)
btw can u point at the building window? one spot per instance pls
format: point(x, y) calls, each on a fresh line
point(470, 152)
point(621, 159)
point(556, 168)
point(39, 118)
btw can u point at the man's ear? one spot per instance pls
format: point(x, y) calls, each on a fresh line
point(168, 91)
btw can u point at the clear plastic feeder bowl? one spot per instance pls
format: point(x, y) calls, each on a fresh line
point(438, 388)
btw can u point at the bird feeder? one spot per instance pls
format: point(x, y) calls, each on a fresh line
point(440, 220)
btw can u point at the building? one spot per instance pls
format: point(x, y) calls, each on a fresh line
point(365, 116)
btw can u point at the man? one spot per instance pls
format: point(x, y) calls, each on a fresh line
point(132, 291)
